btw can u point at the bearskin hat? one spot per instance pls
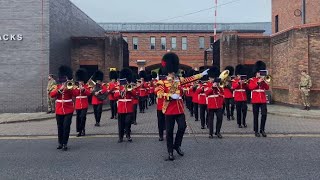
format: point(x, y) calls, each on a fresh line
point(135, 77)
point(143, 74)
point(113, 75)
point(82, 75)
point(162, 72)
point(65, 72)
point(170, 62)
point(191, 72)
point(183, 74)
point(231, 70)
point(214, 72)
point(98, 75)
point(240, 70)
point(149, 77)
point(126, 73)
point(259, 65)
point(154, 74)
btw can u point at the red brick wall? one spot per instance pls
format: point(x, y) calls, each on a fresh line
point(285, 10)
point(193, 56)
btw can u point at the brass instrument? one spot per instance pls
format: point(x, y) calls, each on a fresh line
point(70, 84)
point(267, 79)
point(224, 77)
point(91, 83)
point(130, 87)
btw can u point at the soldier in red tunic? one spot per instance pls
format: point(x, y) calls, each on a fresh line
point(64, 105)
point(135, 100)
point(153, 83)
point(239, 85)
point(228, 95)
point(258, 87)
point(173, 107)
point(195, 100)
point(143, 91)
point(214, 101)
point(111, 88)
point(202, 104)
point(98, 94)
point(82, 91)
point(125, 105)
point(191, 72)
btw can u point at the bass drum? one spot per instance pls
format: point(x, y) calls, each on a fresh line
point(97, 88)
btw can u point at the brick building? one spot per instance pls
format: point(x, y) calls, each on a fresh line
point(295, 47)
point(149, 41)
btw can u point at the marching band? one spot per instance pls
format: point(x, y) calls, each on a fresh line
point(210, 91)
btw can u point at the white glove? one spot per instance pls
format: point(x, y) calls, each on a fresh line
point(204, 73)
point(175, 96)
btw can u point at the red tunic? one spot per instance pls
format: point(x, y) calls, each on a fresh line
point(143, 89)
point(125, 103)
point(160, 99)
point(64, 103)
point(214, 96)
point(202, 96)
point(82, 97)
point(195, 95)
point(174, 106)
point(95, 100)
point(228, 93)
point(258, 94)
point(111, 88)
point(239, 92)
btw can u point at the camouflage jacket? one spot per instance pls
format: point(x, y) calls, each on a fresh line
point(51, 83)
point(305, 82)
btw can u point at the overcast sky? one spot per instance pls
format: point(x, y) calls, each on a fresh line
point(161, 10)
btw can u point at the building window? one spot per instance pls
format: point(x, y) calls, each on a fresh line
point(277, 23)
point(201, 42)
point(184, 43)
point(211, 41)
point(135, 42)
point(163, 43)
point(125, 39)
point(173, 43)
point(152, 43)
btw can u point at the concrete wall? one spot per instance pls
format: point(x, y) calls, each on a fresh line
point(47, 27)
point(66, 21)
point(24, 64)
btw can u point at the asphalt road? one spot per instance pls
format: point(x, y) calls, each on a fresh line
point(104, 158)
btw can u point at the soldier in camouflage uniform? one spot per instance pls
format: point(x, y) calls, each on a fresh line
point(51, 101)
point(304, 86)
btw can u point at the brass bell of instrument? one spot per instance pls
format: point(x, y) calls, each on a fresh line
point(267, 78)
point(129, 87)
point(70, 84)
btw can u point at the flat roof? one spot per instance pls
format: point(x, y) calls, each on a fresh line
point(259, 27)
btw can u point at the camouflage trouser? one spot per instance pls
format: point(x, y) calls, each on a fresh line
point(51, 104)
point(305, 97)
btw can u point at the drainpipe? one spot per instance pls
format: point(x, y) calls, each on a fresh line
point(303, 11)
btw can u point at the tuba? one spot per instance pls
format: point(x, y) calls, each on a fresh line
point(224, 77)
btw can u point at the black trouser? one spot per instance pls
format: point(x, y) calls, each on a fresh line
point(191, 107)
point(81, 119)
point(63, 123)
point(219, 114)
point(97, 110)
point(161, 123)
point(142, 103)
point(124, 123)
point(188, 102)
point(146, 102)
point(152, 99)
point(113, 105)
point(255, 109)
point(196, 111)
point(135, 107)
point(203, 115)
point(242, 109)
point(229, 102)
point(170, 121)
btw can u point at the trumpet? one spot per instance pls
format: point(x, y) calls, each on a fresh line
point(267, 79)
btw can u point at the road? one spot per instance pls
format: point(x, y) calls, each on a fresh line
point(104, 158)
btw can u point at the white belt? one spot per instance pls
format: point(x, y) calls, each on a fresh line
point(81, 97)
point(68, 100)
point(202, 94)
point(213, 96)
point(116, 91)
point(258, 90)
point(124, 100)
point(240, 90)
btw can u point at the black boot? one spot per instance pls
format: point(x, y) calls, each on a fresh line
point(245, 125)
point(263, 133)
point(79, 134)
point(129, 138)
point(210, 136)
point(83, 133)
point(240, 126)
point(64, 147)
point(219, 135)
point(60, 146)
point(257, 134)
point(232, 117)
point(160, 138)
point(179, 151)
point(171, 157)
point(120, 140)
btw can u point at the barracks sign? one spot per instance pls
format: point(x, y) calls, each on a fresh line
point(11, 37)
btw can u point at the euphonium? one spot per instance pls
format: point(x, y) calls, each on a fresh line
point(70, 84)
point(223, 76)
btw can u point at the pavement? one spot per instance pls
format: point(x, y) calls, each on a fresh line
point(39, 116)
point(272, 109)
point(147, 125)
point(144, 158)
